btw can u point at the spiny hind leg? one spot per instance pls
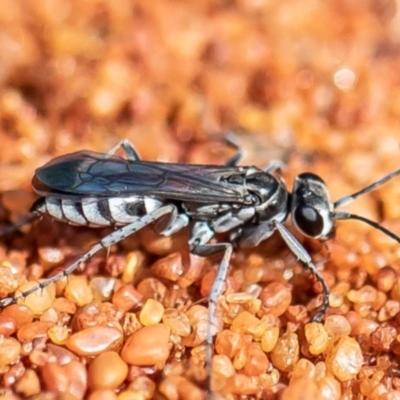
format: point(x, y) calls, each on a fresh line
point(108, 241)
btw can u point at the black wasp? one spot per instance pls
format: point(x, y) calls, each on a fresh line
point(97, 189)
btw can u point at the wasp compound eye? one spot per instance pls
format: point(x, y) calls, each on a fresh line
point(308, 220)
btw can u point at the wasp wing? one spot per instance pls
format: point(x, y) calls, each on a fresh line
point(88, 173)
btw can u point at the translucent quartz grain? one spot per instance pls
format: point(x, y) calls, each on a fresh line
point(101, 376)
point(366, 295)
point(126, 298)
point(169, 267)
point(58, 334)
point(386, 278)
point(301, 389)
point(10, 351)
point(389, 310)
point(62, 355)
point(40, 300)
point(20, 313)
point(257, 361)
point(144, 386)
point(151, 312)
point(7, 325)
point(50, 257)
point(241, 356)
point(241, 384)
point(329, 388)
point(223, 366)
point(337, 325)
point(106, 394)
point(317, 338)
point(28, 384)
point(34, 330)
point(61, 304)
point(50, 315)
point(344, 359)
point(199, 322)
point(177, 321)
point(269, 338)
point(69, 379)
point(275, 298)
point(285, 354)
point(95, 340)
point(152, 288)
point(78, 290)
point(382, 338)
point(246, 322)
point(147, 346)
point(187, 390)
point(102, 288)
point(134, 261)
point(228, 343)
point(193, 269)
point(303, 368)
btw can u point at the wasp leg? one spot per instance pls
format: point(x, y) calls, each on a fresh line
point(273, 166)
point(252, 235)
point(128, 147)
point(111, 239)
point(301, 253)
point(216, 290)
point(231, 140)
point(26, 221)
point(201, 234)
point(174, 226)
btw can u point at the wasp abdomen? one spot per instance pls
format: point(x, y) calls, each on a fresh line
point(96, 212)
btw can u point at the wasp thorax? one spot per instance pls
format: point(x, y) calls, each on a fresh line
point(261, 185)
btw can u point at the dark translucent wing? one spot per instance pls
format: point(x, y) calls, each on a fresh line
point(96, 174)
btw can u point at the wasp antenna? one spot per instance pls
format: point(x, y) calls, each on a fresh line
point(345, 215)
point(19, 224)
point(350, 198)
